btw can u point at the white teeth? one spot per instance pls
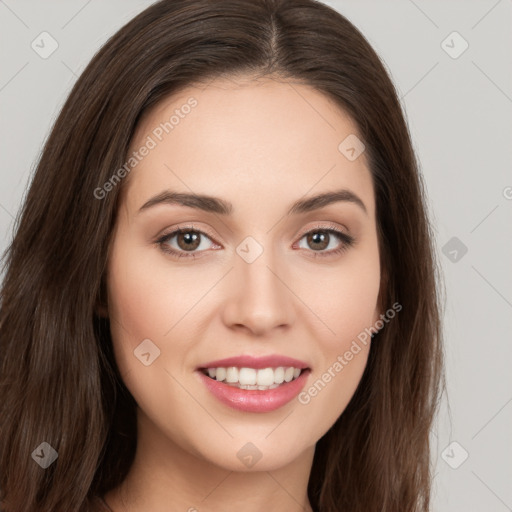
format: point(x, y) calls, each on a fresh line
point(288, 374)
point(232, 374)
point(265, 377)
point(220, 374)
point(247, 376)
point(252, 378)
point(279, 375)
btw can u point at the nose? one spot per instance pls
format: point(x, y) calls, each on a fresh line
point(258, 296)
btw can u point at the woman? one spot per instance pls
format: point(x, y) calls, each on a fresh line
point(221, 293)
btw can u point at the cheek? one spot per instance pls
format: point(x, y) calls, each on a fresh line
point(330, 389)
point(135, 307)
point(344, 299)
point(138, 307)
point(146, 297)
point(356, 309)
point(149, 300)
point(346, 302)
point(142, 307)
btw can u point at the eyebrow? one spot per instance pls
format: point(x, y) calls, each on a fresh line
point(216, 205)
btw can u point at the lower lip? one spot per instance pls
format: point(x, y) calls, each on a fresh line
point(255, 400)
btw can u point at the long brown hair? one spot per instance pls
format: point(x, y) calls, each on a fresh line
point(59, 383)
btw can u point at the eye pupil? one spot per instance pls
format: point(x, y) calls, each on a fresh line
point(188, 240)
point(320, 238)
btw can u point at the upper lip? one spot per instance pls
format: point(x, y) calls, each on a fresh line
point(246, 361)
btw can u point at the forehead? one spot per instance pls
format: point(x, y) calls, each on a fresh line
point(241, 138)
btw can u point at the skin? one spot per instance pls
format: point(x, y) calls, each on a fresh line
point(260, 145)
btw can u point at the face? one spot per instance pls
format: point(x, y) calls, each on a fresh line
point(260, 273)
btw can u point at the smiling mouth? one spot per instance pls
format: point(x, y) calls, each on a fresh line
point(260, 379)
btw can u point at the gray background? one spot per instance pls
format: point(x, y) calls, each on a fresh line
point(459, 113)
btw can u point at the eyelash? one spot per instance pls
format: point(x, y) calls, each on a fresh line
point(346, 241)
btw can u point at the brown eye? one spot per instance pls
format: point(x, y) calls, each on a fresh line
point(188, 240)
point(326, 242)
point(318, 240)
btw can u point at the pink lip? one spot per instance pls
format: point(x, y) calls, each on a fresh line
point(254, 400)
point(272, 361)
